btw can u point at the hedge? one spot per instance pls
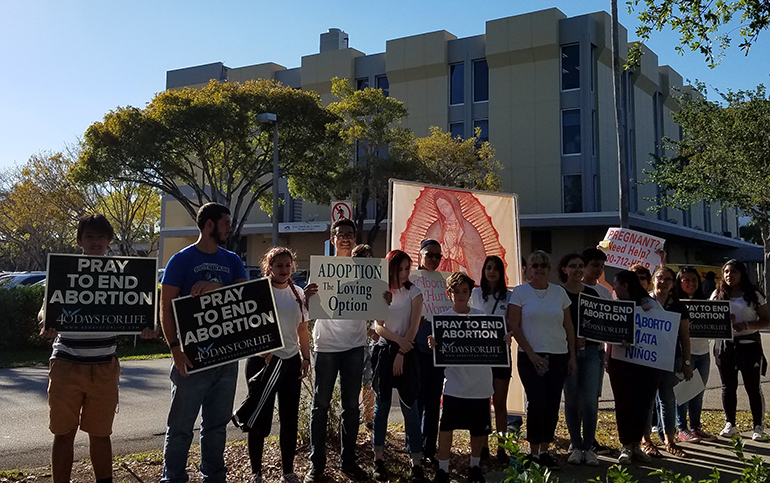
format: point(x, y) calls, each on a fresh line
point(18, 317)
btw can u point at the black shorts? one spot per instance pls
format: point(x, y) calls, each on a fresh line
point(502, 372)
point(470, 414)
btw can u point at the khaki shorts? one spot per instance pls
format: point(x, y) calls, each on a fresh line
point(82, 395)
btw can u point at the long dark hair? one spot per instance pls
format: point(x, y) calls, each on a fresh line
point(750, 291)
point(565, 261)
point(500, 290)
point(395, 259)
point(698, 294)
point(636, 292)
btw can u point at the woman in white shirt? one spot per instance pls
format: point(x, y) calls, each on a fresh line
point(539, 318)
point(748, 309)
point(395, 365)
point(492, 297)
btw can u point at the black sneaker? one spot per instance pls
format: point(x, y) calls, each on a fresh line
point(600, 449)
point(315, 476)
point(484, 453)
point(545, 459)
point(475, 475)
point(380, 473)
point(502, 456)
point(354, 472)
point(441, 476)
point(418, 476)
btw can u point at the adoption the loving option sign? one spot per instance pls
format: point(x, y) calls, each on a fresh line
point(655, 335)
point(349, 288)
point(626, 247)
point(470, 340)
point(228, 324)
point(709, 319)
point(601, 320)
point(91, 294)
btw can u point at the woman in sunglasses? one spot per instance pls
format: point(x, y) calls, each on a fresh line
point(540, 320)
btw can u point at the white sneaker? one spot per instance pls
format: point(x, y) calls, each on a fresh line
point(590, 457)
point(729, 431)
point(576, 457)
point(625, 456)
point(759, 434)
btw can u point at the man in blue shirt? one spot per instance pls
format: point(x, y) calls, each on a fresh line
point(196, 270)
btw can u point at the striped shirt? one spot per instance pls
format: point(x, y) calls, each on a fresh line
point(85, 348)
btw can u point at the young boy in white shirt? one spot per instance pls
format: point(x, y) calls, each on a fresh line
point(467, 391)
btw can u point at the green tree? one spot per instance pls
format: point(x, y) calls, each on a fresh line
point(201, 145)
point(724, 156)
point(462, 163)
point(699, 22)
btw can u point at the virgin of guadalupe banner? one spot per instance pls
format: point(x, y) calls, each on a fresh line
point(469, 225)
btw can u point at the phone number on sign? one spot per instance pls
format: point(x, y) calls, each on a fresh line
point(625, 261)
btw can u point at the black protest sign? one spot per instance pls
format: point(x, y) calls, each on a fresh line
point(709, 319)
point(470, 340)
point(602, 320)
point(88, 294)
point(228, 324)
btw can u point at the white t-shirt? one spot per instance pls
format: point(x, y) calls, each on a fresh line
point(603, 291)
point(542, 317)
point(400, 311)
point(473, 382)
point(290, 318)
point(743, 312)
point(491, 306)
point(338, 335)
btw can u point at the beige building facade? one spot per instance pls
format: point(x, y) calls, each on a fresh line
point(539, 86)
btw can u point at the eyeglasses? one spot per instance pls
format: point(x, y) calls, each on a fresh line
point(435, 256)
point(573, 266)
point(539, 265)
point(345, 236)
point(666, 280)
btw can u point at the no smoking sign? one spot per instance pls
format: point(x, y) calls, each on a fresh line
point(342, 210)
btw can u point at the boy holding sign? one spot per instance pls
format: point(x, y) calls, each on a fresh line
point(83, 378)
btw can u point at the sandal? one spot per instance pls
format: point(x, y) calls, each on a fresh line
point(650, 449)
point(675, 450)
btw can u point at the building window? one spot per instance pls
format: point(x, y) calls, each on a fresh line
point(456, 84)
point(480, 81)
point(457, 129)
point(484, 125)
point(570, 131)
point(570, 67)
point(362, 84)
point(381, 81)
point(572, 186)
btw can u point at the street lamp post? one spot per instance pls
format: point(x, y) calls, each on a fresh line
point(265, 117)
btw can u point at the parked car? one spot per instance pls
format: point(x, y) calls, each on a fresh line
point(21, 279)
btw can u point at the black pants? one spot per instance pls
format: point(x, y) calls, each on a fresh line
point(287, 388)
point(543, 395)
point(748, 359)
point(429, 401)
point(634, 387)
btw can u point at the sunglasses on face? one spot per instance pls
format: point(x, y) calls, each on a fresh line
point(538, 265)
point(434, 256)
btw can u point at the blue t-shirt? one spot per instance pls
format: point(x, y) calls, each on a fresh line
point(190, 265)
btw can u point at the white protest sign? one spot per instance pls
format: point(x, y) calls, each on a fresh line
point(349, 288)
point(655, 335)
point(686, 390)
point(433, 286)
point(626, 247)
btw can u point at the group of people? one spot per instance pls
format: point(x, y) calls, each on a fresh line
point(435, 401)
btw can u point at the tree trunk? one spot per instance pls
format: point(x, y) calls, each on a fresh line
point(620, 120)
point(765, 227)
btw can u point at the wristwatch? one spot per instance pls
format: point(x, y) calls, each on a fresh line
point(174, 343)
point(686, 363)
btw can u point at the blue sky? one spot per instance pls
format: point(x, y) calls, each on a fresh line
point(65, 64)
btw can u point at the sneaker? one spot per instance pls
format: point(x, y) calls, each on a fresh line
point(502, 456)
point(256, 478)
point(475, 475)
point(601, 449)
point(590, 458)
point(545, 459)
point(576, 457)
point(441, 476)
point(315, 476)
point(625, 456)
point(354, 472)
point(687, 436)
point(484, 453)
point(417, 476)
point(380, 473)
point(639, 454)
point(729, 431)
point(290, 478)
point(704, 436)
point(759, 434)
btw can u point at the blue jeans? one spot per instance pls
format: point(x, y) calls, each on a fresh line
point(581, 405)
point(349, 365)
point(429, 401)
point(383, 389)
point(211, 392)
point(665, 403)
point(701, 362)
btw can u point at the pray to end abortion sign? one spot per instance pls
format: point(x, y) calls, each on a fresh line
point(470, 340)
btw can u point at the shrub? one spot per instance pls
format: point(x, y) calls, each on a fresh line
point(19, 307)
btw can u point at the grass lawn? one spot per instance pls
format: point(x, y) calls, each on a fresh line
point(145, 349)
